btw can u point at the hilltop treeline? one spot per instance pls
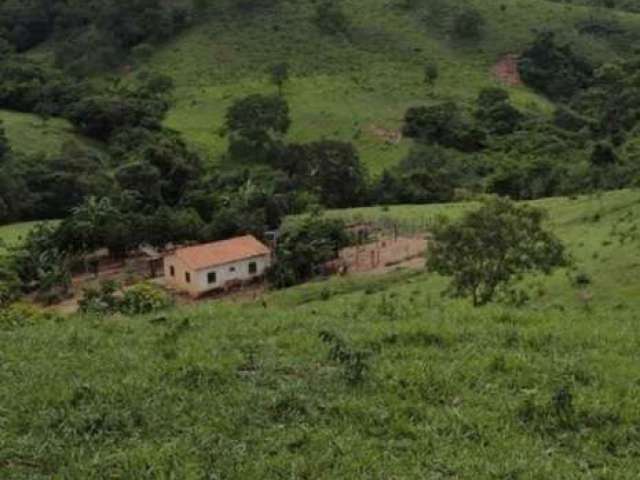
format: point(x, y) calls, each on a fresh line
point(90, 35)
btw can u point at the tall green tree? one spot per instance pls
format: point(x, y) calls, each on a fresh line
point(488, 248)
point(330, 169)
point(257, 125)
point(304, 246)
point(495, 112)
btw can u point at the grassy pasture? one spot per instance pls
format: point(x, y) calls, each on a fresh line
point(424, 386)
point(29, 134)
point(12, 234)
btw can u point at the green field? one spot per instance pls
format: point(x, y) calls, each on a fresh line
point(14, 233)
point(29, 134)
point(345, 89)
point(441, 390)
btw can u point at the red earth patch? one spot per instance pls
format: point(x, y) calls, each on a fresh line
point(506, 70)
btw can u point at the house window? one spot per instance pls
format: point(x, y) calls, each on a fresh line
point(253, 268)
point(232, 269)
point(172, 271)
point(212, 277)
point(187, 277)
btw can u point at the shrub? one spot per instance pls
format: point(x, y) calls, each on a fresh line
point(355, 362)
point(144, 298)
point(100, 300)
point(20, 315)
point(468, 25)
point(553, 69)
point(581, 279)
point(495, 112)
point(603, 155)
point(331, 19)
point(444, 124)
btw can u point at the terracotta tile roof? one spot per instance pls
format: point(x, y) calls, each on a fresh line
point(220, 253)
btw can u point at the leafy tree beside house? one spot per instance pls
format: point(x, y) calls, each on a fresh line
point(486, 250)
point(305, 245)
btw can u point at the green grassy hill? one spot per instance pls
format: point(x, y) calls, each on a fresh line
point(427, 387)
point(12, 234)
point(350, 89)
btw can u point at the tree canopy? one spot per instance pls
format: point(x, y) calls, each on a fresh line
point(489, 247)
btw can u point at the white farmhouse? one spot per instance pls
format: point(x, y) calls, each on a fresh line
point(201, 269)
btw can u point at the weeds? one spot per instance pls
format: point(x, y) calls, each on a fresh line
point(356, 363)
point(560, 415)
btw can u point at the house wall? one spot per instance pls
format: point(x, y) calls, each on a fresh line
point(224, 273)
point(178, 280)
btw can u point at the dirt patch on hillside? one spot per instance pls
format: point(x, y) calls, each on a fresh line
point(391, 137)
point(506, 70)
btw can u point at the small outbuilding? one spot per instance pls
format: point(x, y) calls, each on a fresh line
point(204, 268)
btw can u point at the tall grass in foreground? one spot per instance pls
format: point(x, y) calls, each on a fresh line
point(394, 383)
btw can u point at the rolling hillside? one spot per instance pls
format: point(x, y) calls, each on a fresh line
point(425, 387)
point(357, 89)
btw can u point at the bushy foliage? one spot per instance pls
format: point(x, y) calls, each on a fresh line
point(495, 113)
point(485, 250)
point(89, 35)
point(443, 124)
point(304, 246)
point(428, 174)
point(144, 298)
point(531, 179)
point(256, 125)
point(27, 86)
point(100, 116)
point(331, 18)
point(41, 264)
point(467, 24)
point(330, 169)
point(100, 300)
point(140, 299)
point(20, 315)
point(356, 363)
point(554, 69)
